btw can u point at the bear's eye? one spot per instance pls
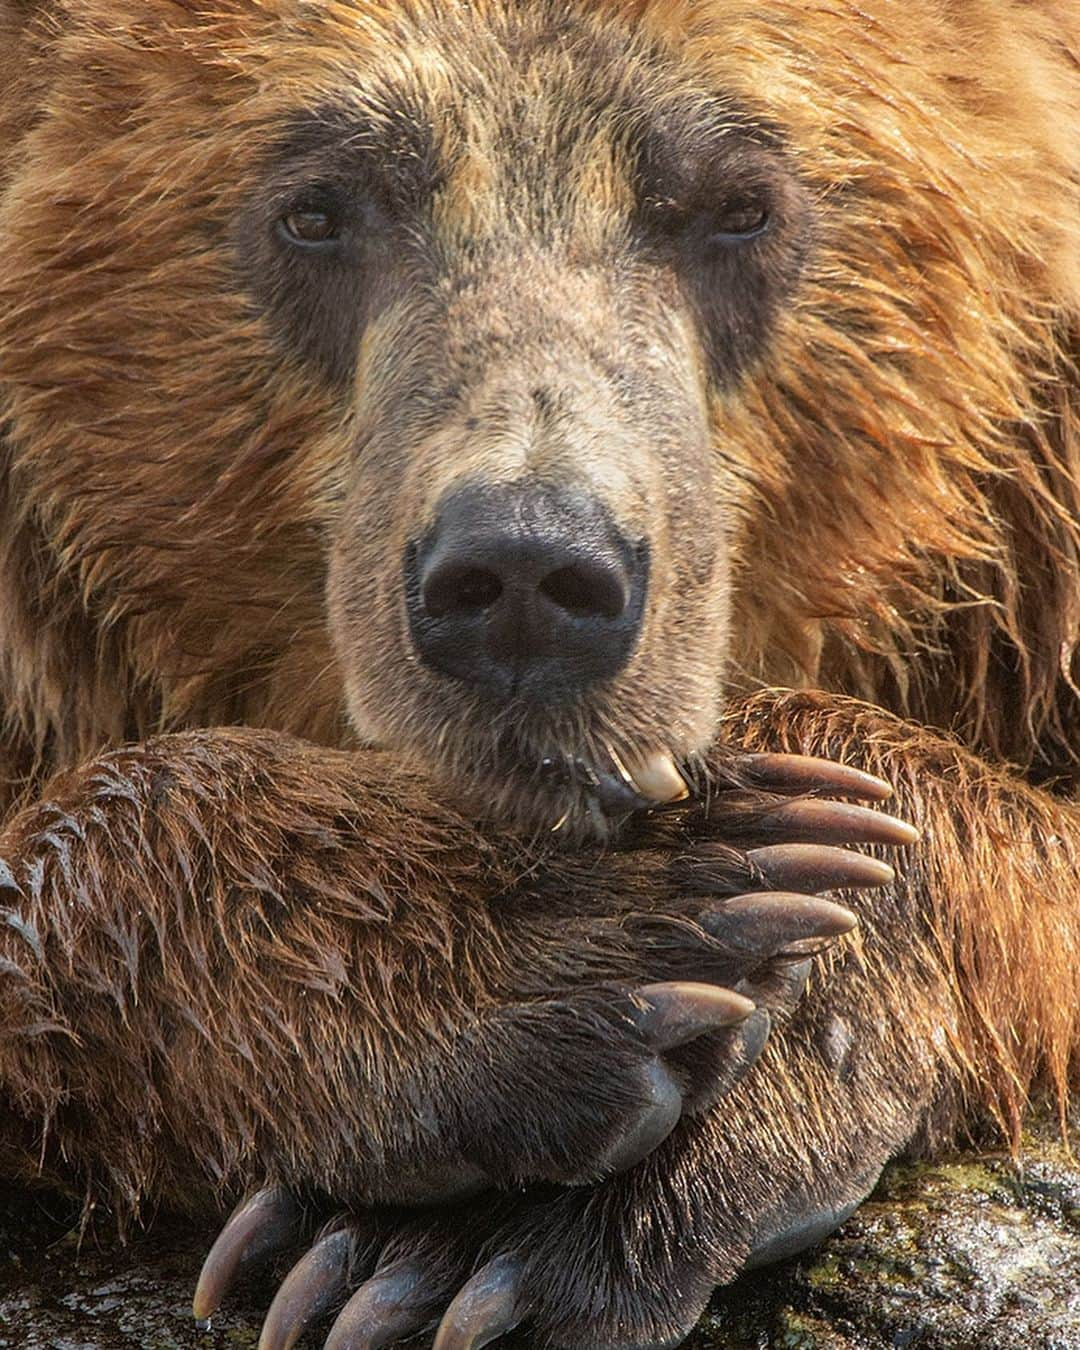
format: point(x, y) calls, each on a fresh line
point(739, 220)
point(309, 226)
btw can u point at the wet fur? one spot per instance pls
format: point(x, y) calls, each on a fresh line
point(887, 506)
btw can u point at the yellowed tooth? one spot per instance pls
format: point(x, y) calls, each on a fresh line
point(657, 778)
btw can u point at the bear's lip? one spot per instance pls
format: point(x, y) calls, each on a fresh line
point(531, 779)
point(613, 788)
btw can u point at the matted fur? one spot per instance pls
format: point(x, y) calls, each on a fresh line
point(914, 541)
point(897, 474)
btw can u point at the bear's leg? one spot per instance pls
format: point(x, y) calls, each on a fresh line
point(229, 956)
point(962, 989)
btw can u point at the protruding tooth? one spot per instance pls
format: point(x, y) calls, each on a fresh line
point(657, 778)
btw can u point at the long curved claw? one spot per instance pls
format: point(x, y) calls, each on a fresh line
point(669, 1015)
point(809, 820)
point(258, 1228)
point(393, 1304)
point(486, 1307)
point(741, 1053)
point(765, 922)
point(309, 1290)
point(750, 1042)
point(819, 867)
point(807, 773)
point(681, 1011)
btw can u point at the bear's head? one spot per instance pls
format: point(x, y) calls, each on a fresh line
point(513, 376)
point(529, 252)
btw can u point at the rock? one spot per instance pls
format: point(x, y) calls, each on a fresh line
point(970, 1253)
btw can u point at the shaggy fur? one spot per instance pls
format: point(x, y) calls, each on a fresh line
point(853, 446)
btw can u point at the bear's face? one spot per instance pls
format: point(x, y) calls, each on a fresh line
point(525, 266)
point(392, 348)
point(505, 374)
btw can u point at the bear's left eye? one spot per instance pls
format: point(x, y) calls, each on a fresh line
point(309, 226)
point(739, 220)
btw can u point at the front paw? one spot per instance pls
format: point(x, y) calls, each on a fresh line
point(572, 1088)
point(575, 1272)
point(697, 934)
point(650, 1005)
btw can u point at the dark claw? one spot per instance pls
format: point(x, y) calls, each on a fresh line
point(673, 1014)
point(257, 1229)
point(765, 922)
point(393, 1304)
point(808, 820)
point(806, 773)
point(781, 985)
point(486, 1307)
point(309, 1290)
point(682, 1011)
point(752, 1036)
point(741, 1053)
point(818, 867)
point(653, 1125)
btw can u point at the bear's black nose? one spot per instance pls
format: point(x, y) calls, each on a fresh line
point(525, 589)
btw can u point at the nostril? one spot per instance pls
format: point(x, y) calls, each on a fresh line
point(524, 590)
point(453, 590)
point(586, 592)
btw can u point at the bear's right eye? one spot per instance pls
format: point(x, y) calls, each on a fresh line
point(309, 227)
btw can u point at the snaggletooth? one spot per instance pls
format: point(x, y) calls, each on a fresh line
point(657, 778)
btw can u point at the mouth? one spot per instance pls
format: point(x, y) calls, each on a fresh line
point(619, 786)
point(578, 795)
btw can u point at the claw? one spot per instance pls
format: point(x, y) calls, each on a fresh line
point(765, 922)
point(657, 1118)
point(740, 1055)
point(809, 820)
point(678, 1012)
point(486, 1307)
point(393, 1304)
point(807, 773)
point(752, 1036)
point(819, 867)
point(313, 1285)
point(780, 986)
point(258, 1228)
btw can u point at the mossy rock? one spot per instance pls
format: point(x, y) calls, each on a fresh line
point(973, 1253)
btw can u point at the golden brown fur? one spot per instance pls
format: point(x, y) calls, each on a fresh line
point(204, 501)
point(958, 420)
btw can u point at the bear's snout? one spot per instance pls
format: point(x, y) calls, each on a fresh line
point(525, 589)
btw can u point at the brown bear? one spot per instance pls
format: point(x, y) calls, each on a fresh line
point(433, 435)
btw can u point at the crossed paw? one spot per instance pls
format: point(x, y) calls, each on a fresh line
point(588, 1089)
